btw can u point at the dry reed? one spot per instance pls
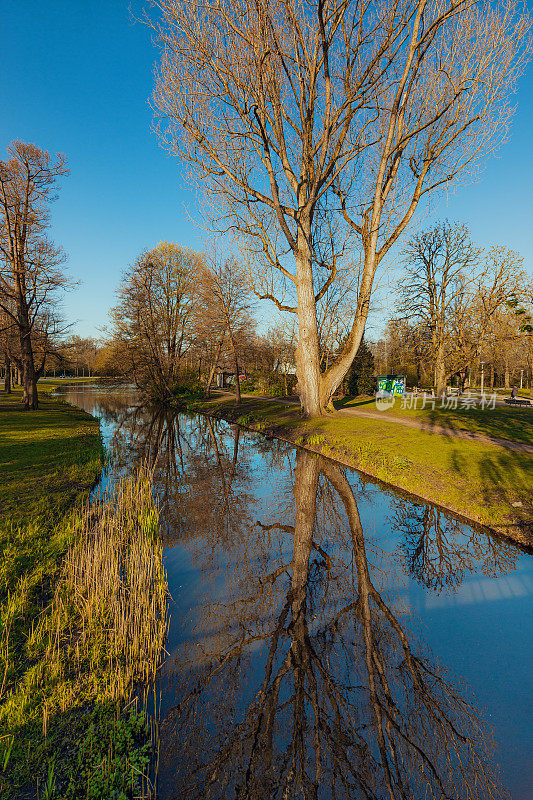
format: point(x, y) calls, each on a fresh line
point(109, 614)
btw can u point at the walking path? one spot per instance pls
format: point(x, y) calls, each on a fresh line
point(444, 430)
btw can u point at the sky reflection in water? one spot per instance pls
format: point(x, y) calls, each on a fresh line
point(328, 638)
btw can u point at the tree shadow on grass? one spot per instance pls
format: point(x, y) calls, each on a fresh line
point(505, 479)
point(515, 425)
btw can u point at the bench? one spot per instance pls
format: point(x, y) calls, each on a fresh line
point(514, 401)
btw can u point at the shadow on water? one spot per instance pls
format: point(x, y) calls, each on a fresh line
point(297, 666)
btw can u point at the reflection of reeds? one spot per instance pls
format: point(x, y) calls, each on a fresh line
point(108, 616)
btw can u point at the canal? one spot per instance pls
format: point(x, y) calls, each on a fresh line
point(328, 637)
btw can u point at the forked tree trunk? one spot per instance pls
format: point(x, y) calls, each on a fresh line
point(334, 376)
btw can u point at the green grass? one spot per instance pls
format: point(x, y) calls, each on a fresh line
point(481, 482)
point(64, 728)
point(513, 423)
point(48, 459)
point(63, 687)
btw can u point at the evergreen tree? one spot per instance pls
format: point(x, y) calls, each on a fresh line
point(360, 376)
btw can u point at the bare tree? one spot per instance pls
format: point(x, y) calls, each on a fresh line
point(318, 128)
point(282, 341)
point(453, 290)
point(227, 302)
point(439, 264)
point(29, 263)
point(154, 316)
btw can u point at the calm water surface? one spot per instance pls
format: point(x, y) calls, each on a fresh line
point(328, 638)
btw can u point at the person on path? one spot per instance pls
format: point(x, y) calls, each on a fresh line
point(514, 392)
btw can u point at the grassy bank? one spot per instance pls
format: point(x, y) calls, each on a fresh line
point(72, 644)
point(506, 422)
point(482, 482)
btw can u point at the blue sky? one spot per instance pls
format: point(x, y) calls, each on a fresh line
point(77, 78)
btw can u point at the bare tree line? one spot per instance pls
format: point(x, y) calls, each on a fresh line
point(181, 315)
point(30, 265)
point(459, 305)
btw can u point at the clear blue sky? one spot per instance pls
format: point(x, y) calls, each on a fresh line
point(76, 78)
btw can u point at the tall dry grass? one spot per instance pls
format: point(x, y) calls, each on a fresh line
point(76, 721)
point(108, 618)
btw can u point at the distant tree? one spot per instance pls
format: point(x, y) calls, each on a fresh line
point(361, 372)
point(153, 319)
point(524, 313)
point(451, 292)
point(112, 358)
point(283, 338)
point(81, 352)
point(30, 273)
point(227, 302)
point(406, 350)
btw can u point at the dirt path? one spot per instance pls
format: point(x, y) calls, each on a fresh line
point(442, 430)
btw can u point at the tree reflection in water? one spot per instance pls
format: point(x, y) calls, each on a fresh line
point(202, 485)
point(436, 552)
point(304, 681)
point(301, 678)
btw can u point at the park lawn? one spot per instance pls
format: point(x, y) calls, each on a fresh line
point(513, 423)
point(51, 383)
point(48, 458)
point(478, 481)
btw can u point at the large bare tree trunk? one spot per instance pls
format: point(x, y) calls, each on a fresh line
point(29, 378)
point(307, 352)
